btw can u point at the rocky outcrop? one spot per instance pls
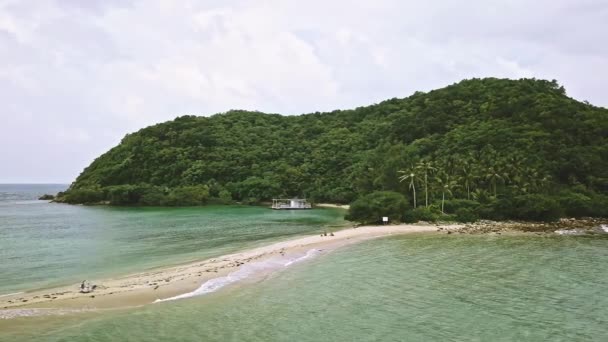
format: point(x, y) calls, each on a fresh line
point(567, 226)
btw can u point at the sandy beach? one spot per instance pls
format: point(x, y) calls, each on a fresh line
point(148, 287)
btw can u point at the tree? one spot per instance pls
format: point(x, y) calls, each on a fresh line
point(372, 207)
point(427, 168)
point(411, 175)
point(446, 185)
point(493, 176)
point(468, 176)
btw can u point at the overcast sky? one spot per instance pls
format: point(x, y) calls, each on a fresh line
point(77, 75)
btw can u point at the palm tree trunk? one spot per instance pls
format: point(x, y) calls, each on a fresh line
point(442, 201)
point(468, 192)
point(426, 192)
point(414, 187)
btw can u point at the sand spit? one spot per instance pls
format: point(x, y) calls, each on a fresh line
point(148, 287)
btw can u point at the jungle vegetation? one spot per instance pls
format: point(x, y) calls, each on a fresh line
point(490, 148)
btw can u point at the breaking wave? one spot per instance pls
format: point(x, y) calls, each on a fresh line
point(244, 272)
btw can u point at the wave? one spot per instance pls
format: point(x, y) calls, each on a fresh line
point(11, 294)
point(308, 254)
point(604, 227)
point(16, 313)
point(244, 272)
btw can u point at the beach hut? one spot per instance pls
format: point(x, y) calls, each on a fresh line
point(290, 203)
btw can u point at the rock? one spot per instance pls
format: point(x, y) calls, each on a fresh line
point(156, 287)
point(449, 232)
point(46, 197)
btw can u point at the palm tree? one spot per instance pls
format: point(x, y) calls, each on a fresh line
point(411, 175)
point(480, 195)
point(493, 176)
point(446, 185)
point(468, 177)
point(426, 166)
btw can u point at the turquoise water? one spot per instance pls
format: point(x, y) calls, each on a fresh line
point(46, 244)
point(408, 288)
point(417, 287)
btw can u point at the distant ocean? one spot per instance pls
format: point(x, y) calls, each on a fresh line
point(15, 193)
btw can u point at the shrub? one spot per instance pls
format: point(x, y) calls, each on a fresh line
point(429, 214)
point(576, 204)
point(187, 196)
point(372, 207)
point(122, 194)
point(84, 196)
point(535, 207)
point(152, 196)
point(451, 206)
point(466, 215)
point(225, 196)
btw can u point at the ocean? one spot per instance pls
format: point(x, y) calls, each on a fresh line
point(417, 287)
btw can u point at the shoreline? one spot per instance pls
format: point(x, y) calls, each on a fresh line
point(164, 283)
point(204, 276)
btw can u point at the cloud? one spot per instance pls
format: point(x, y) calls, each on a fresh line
point(75, 76)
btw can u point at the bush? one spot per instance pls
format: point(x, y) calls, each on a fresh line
point(576, 204)
point(466, 215)
point(429, 214)
point(152, 196)
point(453, 205)
point(372, 207)
point(535, 207)
point(225, 196)
point(496, 209)
point(187, 196)
point(84, 196)
point(122, 194)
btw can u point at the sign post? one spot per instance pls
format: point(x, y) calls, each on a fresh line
point(385, 219)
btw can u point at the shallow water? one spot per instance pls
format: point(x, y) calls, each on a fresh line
point(407, 288)
point(47, 244)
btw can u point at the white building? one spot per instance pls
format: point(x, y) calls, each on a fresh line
point(291, 203)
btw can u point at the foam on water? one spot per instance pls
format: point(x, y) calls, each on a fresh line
point(308, 254)
point(11, 294)
point(604, 227)
point(16, 313)
point(244, 272)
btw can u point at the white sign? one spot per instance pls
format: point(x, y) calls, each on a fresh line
point(384, 219)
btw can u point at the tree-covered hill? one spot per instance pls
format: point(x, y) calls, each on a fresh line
point(486, 140)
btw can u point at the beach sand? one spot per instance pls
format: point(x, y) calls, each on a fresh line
point(147, 287)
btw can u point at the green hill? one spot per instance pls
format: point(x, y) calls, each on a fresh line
point(488, 140)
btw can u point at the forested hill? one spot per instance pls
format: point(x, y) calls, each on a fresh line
point(488, 138)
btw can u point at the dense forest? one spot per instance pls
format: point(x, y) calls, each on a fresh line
point(492, 148)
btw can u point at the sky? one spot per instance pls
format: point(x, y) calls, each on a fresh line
point(77, 75)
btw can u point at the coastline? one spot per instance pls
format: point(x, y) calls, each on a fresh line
point(180, 281)
point(204, 276)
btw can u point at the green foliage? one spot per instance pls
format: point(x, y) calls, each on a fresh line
point(84, 196)
point(466, 215)
point(453, 205)
point(488, 140)
point(371, 208)
point(225, 197)
point(535, 208)
point(426, 214)
point(187, 196)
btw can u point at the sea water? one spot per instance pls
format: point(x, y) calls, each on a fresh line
point(415, 287)
point(46, 244)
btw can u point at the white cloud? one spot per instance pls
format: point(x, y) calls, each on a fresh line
point(76, 76)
